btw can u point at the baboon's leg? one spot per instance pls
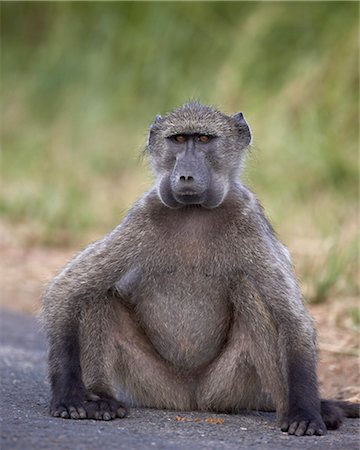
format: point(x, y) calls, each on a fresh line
point(246, 375)
point(138, 370)
point(97, 349)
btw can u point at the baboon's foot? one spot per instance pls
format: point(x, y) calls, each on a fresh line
point(304, 424)
point(331, 414)
point(105, 408)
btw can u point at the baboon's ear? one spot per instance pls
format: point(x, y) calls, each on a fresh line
point(157, 120)
point(239, 117)
point(244, 128)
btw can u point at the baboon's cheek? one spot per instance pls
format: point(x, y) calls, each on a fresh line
point(165, 193)
point(215, 195)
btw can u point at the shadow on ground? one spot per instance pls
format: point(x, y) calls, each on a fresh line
point(25, 423)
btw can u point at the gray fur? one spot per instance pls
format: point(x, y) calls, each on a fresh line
point(191, 306)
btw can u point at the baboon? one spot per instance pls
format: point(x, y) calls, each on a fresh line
point(191, 302)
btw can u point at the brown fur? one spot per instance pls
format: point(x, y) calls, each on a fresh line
point(185, 307)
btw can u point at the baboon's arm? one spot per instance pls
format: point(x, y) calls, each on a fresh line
point(87, 278)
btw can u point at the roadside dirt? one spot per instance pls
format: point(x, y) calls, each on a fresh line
point(25, 271)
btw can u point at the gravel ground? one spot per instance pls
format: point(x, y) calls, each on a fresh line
point(26, 425)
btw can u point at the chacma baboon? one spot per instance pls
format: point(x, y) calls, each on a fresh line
point(191, 302)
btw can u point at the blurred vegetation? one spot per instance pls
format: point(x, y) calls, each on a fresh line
point(82, 81)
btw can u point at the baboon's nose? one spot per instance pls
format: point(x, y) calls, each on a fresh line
point(186, 178)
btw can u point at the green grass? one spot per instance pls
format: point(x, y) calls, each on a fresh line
point(355, 316)
point(332, 275)
point(81, 82)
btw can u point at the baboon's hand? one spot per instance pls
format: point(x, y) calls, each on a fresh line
point(303, 423)
point(79, 408)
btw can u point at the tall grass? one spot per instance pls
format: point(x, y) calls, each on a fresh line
point(81, 82)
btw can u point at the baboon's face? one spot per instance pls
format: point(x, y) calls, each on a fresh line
point(196, 151)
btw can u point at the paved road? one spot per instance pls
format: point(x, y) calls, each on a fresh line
point(26, 425)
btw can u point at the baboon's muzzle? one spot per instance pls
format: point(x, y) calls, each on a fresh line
point(189, 180)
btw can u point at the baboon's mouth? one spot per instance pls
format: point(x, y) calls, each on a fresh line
point(189, 198)
point(188, 193)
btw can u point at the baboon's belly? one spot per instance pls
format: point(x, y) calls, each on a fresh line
point(187, 327)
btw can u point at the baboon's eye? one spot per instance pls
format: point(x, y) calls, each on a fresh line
point(180, 138)
point(204, 138)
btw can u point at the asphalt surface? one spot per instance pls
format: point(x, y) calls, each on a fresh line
point(25, 423)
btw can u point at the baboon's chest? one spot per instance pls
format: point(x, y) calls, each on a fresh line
point(185, 314)
point(180, 295)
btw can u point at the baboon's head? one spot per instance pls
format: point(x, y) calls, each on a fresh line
point(196, 152)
